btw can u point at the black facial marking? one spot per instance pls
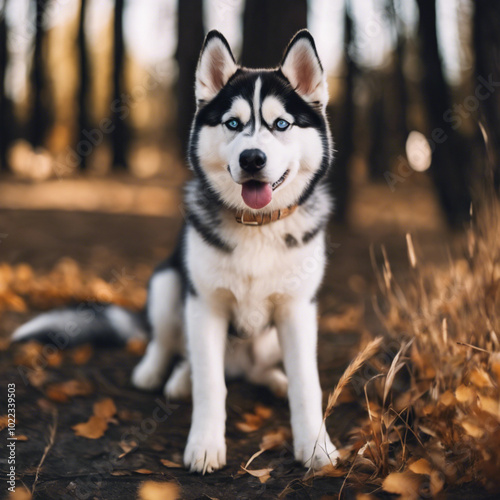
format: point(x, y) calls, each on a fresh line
point(291, 241)
point(273, 83)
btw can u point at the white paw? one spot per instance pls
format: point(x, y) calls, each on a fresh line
point(316, 453)
point(147, 376)
point(205, 453)
point(278, 383)
point(178, 386)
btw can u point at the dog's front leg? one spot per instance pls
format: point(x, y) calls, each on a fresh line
point(206, 330)
point(297, 329)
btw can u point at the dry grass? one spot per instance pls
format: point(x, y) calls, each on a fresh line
point(433, 410)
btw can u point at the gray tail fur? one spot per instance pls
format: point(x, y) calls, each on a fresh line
point(99, 324)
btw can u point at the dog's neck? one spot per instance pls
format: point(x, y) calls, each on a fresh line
point(260, 219)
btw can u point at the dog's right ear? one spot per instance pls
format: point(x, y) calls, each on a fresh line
point(215, 66)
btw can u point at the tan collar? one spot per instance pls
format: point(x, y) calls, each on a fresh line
point(256, 219)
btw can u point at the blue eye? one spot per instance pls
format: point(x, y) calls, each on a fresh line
point(281, 125)
point(232, 124)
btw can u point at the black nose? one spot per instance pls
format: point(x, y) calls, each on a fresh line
point(252, 160)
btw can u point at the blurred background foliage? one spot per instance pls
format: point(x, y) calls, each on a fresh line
point(99, 88)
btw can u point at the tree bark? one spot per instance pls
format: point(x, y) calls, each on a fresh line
point(5, 108)
point(345, 140)
point(39, 118)
point(487, 53)
point(450, 154)
point(120, 135)
point(190, 39)
point(84, 81)
point(268, 26)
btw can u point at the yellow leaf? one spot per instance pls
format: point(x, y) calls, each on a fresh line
point(472, 430)
point(407, 484)
point(447, 398)
point(152, 490)
point(465, 394)
point(480, 378)
point(421, 466)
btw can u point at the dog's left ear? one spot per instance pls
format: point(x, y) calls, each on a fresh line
point(303, 69)
point(215, 66)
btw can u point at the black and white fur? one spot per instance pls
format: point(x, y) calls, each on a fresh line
point(257, 283)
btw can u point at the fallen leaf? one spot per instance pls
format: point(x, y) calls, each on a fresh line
point(406, 484)
point(447, 398)
point(480, 378)
point(421, 466)
point(490, 405)
point(465, 394)
point(105, 408)
point(29, 354)
point(94, 428)
point(127, 448)
point(153, 490)
point(472, 429)
point(63, 391)
point(263, 411)
point(20, 493)
point(22, 437)
point(273, 439)
point(4, 421)
point(262, 474)
point(121, 472)
point(137, 347)
point(97, 424)
point(54, 359)
point(170, 464)
point(144, 471)
point(254, 421)
point(82, 354)
point(37, 377)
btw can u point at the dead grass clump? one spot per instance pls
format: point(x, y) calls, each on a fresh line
point(433, 410)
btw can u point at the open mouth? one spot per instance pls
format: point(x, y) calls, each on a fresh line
point(258, 194)
point(280, 180)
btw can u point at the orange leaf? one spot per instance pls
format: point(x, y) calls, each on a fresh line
point(152, 490)
point(105, 408)
point(94, 428)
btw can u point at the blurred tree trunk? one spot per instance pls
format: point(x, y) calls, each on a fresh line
point(39, 118)
point(5, 108)
point(399, 81)
point(450, 154)
point(267, 29)
point(119, 107)
point(487, 53)
point(344, 138)
point(378, 155)
point(190, 39)
point(84, 81)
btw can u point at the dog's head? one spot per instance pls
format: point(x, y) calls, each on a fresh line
point(260, 140)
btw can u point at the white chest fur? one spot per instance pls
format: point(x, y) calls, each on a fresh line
point(260, 272)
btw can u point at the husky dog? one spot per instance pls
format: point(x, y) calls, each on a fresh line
point(238, 295)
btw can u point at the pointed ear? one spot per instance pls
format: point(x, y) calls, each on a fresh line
point(302, 68)
point(215, 66)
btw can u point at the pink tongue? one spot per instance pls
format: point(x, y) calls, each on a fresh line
point(256, 194)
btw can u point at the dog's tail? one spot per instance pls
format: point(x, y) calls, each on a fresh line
point(96, 323)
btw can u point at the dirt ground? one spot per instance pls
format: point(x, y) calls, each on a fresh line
point(104, 242)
